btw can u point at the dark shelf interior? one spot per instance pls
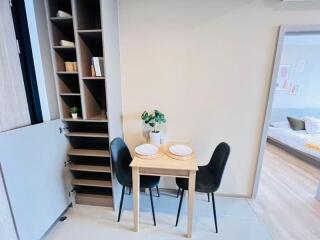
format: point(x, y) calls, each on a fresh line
point(88, 14)
point(69, 83)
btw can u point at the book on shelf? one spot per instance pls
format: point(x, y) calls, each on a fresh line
point(98, 65)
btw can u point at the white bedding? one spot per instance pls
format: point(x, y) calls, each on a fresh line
point(295, 139)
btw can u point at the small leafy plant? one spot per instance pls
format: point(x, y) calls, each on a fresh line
point(153, 119)
point(74, 110)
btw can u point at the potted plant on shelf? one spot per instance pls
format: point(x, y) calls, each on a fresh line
point(74, 112)
point(154, 120)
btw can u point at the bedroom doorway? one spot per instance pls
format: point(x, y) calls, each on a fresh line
point(288, 170)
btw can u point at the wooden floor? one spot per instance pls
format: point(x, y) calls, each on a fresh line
point(286, 198)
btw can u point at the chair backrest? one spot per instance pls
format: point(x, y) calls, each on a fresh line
point(121, 159)
point(218, 162)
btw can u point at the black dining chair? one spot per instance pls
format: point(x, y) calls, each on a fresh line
point(121, 160)
point(208, 178)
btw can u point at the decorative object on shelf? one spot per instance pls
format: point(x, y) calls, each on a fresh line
point(71, 66)
point(154, 120)
point(63, 14)
point(66, 43)
point(97, 63)
point(74, 112)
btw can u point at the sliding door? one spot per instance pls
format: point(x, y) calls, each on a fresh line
point(14, 110)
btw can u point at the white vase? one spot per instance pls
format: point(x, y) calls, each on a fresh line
point(74, 115)
point(155, 138)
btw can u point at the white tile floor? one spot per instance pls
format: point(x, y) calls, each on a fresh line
point(236, 220)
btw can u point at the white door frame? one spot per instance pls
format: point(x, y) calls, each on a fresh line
point(282, 32)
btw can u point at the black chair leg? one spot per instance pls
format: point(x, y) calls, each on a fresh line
point(179, 209)
point(178, 192)
point(151, 199)
point(208, 197)
point(130, 190)
point(214, 212)
point(121, 201)
point(158, 191)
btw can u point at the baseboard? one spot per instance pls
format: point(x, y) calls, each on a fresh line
point(56, 221)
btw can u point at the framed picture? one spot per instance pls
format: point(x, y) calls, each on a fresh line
point(283, 80)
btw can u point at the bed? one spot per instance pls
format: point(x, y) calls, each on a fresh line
point(296, 143)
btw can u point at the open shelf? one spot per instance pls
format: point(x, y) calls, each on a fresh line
point(95, 99)
point(88, 153)
point(90, 44)
point(93, 183)
point(94, 199)
point(88, 14)
point(55, 5)
point(67, 102)
point(90, 168)
point(87, 134)
point(68, 83)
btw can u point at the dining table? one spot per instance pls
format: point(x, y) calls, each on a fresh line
point(167, 165)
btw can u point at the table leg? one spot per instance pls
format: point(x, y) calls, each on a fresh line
point(135, 190)
point(191, 193)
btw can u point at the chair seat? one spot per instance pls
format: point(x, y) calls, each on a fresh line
point(202, 183)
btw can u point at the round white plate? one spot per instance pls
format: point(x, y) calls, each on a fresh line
point(180, 150)
point(146, 150)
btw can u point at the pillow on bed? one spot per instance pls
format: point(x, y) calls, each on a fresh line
point(312, 125)
point(281, 124)
point(296, 124)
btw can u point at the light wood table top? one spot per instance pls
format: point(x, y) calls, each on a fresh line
point(164, 165)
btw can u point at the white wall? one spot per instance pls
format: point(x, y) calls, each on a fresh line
point(302, 55)
point(207, 65)
point(32, 160)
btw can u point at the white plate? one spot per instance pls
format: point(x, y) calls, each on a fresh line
point(180, 150)
point(146, 150)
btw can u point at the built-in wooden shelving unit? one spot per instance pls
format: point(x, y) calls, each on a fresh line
point(89, 157)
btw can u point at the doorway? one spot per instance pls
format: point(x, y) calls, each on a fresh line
point(288, 169)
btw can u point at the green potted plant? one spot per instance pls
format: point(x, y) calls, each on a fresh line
point(154, 120)
point(74, 112)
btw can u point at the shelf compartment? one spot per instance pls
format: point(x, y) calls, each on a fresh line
point(97, 127)
point(92, 161)
point(62, 30)
point(87, 134)
point(94, 199)
point(89, 143)
point(68, 83)
point(88, 14)
point(55, 5)
point(89, 153)
point(64, 54)
point(68, 102)
point(90, 45)
point(91, 183)
point(90, 168)
point(95, 99)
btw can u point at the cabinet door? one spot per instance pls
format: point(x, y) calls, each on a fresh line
point(7, 230)
point(14, 110)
